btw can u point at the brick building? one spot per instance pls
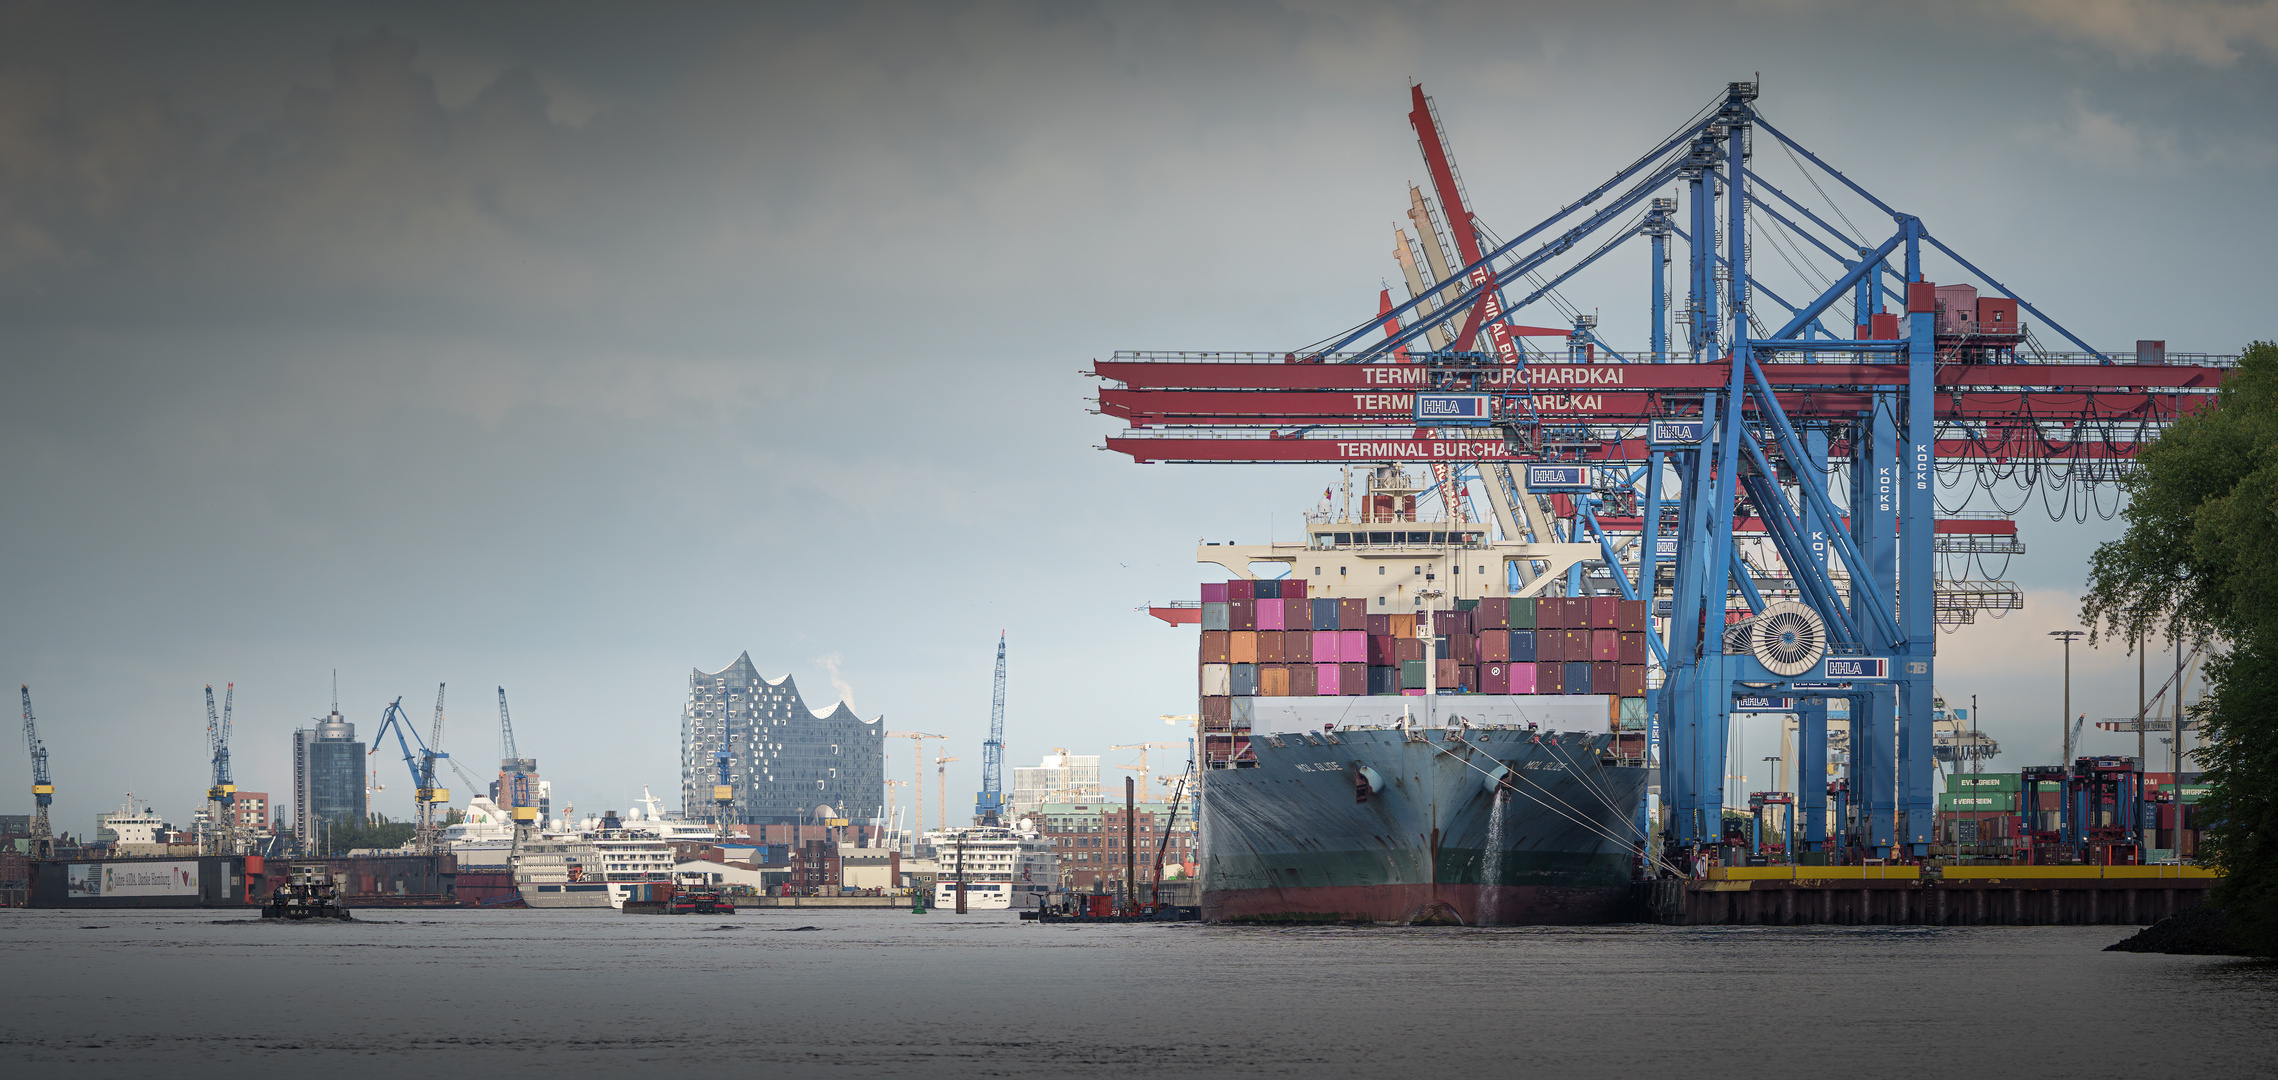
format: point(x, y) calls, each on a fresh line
point(1088, 837)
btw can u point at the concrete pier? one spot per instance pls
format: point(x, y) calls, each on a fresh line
point(1929, 896)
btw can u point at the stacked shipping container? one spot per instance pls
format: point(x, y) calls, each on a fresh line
point(1267, 638)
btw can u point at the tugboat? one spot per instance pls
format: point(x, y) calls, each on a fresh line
point(306, 894)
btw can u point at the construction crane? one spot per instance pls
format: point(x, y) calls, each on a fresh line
point(1143, 747)
point(421, 766)
point(988, 808)
point(723, 793)
point(917, 777)
point(515, 772)
point(43, 789)
point(941, 766)
point(221, 798)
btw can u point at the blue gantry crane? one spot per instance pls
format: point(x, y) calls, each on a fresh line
point(989, 805)
point(43, 788)
point(1829, 447)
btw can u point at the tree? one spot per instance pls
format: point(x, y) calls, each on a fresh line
point(2199, 560)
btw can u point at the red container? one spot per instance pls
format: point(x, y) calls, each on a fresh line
point(1605, 678)
point(1352, 614)
point(1467, 676)
point(1269, 646)
point(1241, 614)
point(1550, 677)
point(1605, 612)
point(1494, 646)
point(1446, 672)
point(1493, 613)
point(1302, 680)
point(1549, 613)
point(1451, 622)
point(1214, 645)
point(1605, 646)
point(1352, 647)
point(1327, 679)
point(1522, 677)
point(1297, 646)
point(1216, 713)
point(1632, 620)
point(1997, 315)
point(1380, 624)
point(1293, 589)
point(1464, 648)
point(1494, 678)
point(1921, 297)
point(1213, 592)
point(1561, 644)
point(1633, 649)
point(1381, 650)
point(1325, 647)
point(1577, 612)
point(1241, 589)
point(1406, 649)
point(1352, 680)
point(1295, 614)
point(1631, 680)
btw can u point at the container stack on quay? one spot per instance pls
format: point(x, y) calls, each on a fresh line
point(1265, 638)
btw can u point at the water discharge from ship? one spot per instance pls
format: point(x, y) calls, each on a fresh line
point(1491, 861)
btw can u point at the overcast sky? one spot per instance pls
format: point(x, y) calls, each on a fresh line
point(568, 347)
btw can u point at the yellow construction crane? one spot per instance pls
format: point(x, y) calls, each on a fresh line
point(917, 773)
point(942, 764)
point(1143, 747)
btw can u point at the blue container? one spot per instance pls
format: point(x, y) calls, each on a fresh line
point(1578, 677)
point(1522, 644)
point(1269, 589)
point(1245, 680)
point(1384, 680)
point(1324, 614)
point(1214, 615)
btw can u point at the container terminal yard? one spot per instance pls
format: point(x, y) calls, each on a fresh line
point(1496, 681)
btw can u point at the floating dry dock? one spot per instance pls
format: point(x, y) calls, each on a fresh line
point(1929, 896)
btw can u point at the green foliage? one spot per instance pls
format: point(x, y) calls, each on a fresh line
point(2200, 557)
point(347, 834)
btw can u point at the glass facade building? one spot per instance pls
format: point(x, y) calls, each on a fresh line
point(787, 763)
point(328, 776)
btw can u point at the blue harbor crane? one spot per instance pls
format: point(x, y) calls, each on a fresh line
point(723, 792)
point(421, 765)
point(989, 806)
point(221, 798)
point(43, 789)
point(516, 774)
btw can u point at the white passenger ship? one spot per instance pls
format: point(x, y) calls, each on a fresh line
point(1001, 867)
point(590, 870)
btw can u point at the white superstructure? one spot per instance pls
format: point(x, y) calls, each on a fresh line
point(1001, 868)
point(598, 869)
point(484, 839)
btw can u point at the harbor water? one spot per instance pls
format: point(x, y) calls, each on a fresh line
point(872, 993)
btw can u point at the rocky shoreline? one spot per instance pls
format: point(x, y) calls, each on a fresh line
point(2200, 931)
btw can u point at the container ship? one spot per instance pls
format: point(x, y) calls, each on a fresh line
point(1397, 727)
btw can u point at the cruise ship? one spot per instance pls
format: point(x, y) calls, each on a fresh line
point(1002, 868)
point(599, 869)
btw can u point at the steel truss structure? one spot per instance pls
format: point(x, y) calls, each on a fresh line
point(1748, 442)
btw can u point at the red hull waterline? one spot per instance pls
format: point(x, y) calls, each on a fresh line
point(1471, 905)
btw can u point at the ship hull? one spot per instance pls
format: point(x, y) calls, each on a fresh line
point(1472, 826)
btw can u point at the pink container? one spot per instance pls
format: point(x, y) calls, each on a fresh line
point(1325, 650)
point(1521, 678)
point(1352, 646)
point(1213, 592)
point(1269, 614)
point(1327, 680)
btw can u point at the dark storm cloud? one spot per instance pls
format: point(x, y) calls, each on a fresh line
point(569, 346)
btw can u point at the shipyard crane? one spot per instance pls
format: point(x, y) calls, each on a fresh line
point(1826, 449)
point(221, 798)
point(421, 766)
point(514, 772)
point(43, 789)
point(723, 793)
point(427, 793)
point(988, 807)
point(917, 777)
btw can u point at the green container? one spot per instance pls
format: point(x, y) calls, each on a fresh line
point(1983, 782)
point(1466, 605)
point(1993, 802)
point(1522, 613)
point(2192, 793)
point(1411, 674)
point(1632, 711)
